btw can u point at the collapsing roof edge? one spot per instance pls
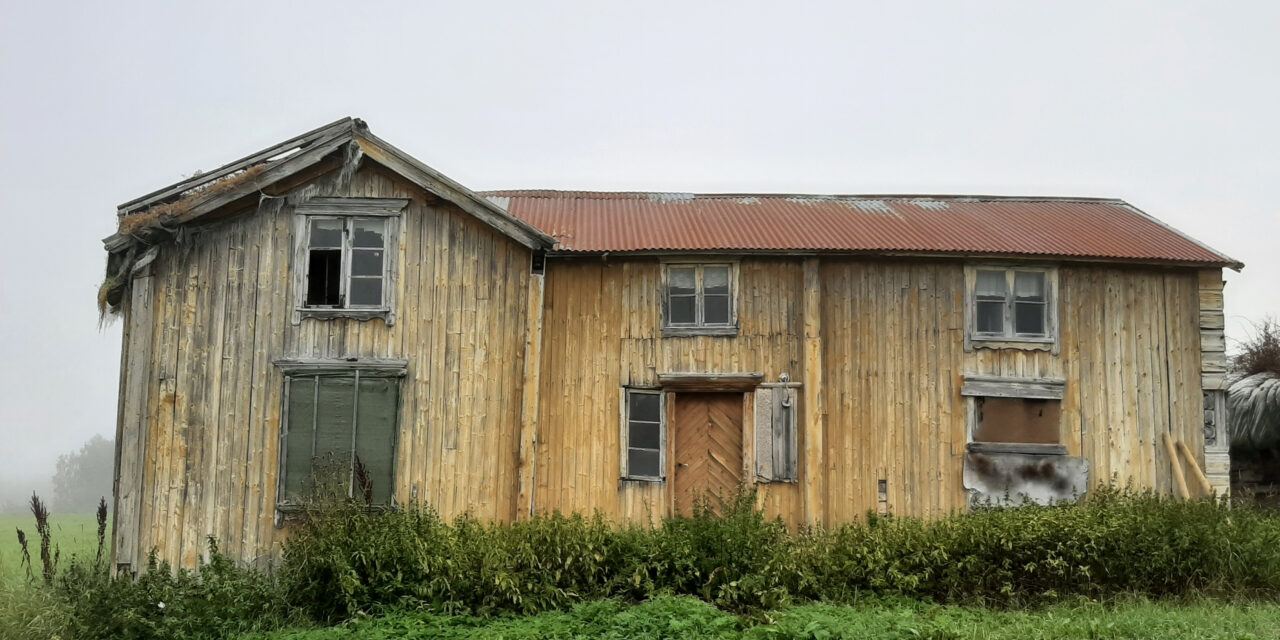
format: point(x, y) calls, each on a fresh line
point(296, 154)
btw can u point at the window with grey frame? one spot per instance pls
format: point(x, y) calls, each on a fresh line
point(346, 262)
point(339, 435)
point(698, 296)
point(645, 435)
point(1012, 304)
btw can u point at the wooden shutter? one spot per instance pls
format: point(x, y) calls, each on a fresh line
point(376, 434)
point(775, 426)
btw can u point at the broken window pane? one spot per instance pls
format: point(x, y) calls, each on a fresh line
point(367, 232)
point(366, 292)
point(1018, 420)
point(324, 278)
point(990, 317)
point(326, 234)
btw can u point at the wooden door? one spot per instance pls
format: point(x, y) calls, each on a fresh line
point(707, 448)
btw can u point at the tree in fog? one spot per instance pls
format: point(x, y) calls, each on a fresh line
point(84, 476)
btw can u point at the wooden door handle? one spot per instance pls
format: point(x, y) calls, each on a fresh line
point(682, 464)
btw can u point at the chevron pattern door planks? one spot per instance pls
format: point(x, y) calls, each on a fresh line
point(707, 445)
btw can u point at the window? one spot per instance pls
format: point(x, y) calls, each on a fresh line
point(340, 430)
point(1012, 305)
point(698, 299)
point(645, 435)
point(1014, 415)
point(1017, 420)
point(345, 257)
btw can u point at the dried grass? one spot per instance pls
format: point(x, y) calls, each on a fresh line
point(161, 214)
point(1261, 351)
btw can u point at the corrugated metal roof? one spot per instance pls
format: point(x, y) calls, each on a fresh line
point(588, 221)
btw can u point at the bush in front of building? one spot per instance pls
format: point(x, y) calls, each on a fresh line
point(347, 561)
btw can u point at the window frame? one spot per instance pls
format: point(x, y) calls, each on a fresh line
point(699, 327)
point(988, 386)
point(624, 460)
point(1008, 339)
point(292, 369)
point(348, 211)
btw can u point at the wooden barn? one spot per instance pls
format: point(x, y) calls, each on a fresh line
point(333, 310)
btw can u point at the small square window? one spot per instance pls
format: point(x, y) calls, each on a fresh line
point(698, 299)
point(344, 265)
point(1012, 305)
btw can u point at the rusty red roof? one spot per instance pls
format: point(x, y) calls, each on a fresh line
point(590, 221)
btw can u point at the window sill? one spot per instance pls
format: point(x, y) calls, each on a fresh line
point(286, 511)
point(1014, 447)
point(684, 332)
point(644, 479)
point(362, 315)
point(1027, 344)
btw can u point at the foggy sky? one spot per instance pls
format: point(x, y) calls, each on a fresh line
point(1171, 106)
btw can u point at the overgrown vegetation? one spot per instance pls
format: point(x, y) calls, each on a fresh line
point(344, 562)
point(347, 562)
point(1260, 352)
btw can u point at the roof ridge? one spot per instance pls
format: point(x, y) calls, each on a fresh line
point(596, 194)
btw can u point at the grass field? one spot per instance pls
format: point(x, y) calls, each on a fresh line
point(73, 534)
point(691, 619)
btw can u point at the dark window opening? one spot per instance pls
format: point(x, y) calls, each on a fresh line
point(324, 278)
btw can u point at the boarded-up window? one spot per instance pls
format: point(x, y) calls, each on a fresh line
point(644, 435)
point(775, 442)
point(1017, 420)
point(340, 436)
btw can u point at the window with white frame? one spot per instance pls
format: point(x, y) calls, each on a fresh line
point(345, 257)
point(698, 298)
point(644, 435)
point(1012, 304)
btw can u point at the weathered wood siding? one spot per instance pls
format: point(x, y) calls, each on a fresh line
point(895, 362)
point(217, 313)
point(892, 363)
point(601, 332)
point(876, 347)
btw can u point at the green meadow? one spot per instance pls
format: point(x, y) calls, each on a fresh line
point(73, 534)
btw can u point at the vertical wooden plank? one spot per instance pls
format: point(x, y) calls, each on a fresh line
point(814, 445)
point(132, 430)
point(531, 387)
